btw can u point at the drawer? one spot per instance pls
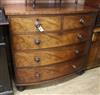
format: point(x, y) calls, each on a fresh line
point(50, 56)
point(20, 25)
point(77, 21)
point(39, 74)
point(48, 40)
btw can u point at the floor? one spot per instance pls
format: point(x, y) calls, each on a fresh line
point(86, 84)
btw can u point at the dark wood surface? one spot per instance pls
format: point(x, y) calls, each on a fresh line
point(94, 55)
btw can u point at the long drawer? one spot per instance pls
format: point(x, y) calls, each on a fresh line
point(39, 74)
point(49, 56)
point(48, 40)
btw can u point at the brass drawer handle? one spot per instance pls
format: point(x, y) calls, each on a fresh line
point(82, 21)
point(37, 41)
point(37, 59)
point(74, 66)
point(38, 25)
point(77, 51)
point(79, 36)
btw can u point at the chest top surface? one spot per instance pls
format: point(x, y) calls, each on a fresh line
point(21, 9)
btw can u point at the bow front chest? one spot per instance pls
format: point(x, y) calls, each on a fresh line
point(49, 43)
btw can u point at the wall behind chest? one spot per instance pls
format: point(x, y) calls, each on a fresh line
point(23, 1)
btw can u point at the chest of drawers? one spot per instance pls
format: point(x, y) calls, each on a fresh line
point(59, 49)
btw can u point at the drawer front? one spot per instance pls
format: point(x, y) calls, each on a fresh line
point(32, 75)
point(77, 21)
point(46, 57)
point(48, 40)
point(28, 24)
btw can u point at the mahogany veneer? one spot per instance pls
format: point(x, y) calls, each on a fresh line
point(59, 50)
point(44, 40)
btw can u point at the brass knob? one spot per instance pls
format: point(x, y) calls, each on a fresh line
point(37, 59)
point(37, 42)
point(77, 51)
point(74, 66)
point(79, 36)
point(82, 21)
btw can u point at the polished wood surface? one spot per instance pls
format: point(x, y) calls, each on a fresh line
point(50, 23)
point(77, 21)
point(61, 49)
point(32, 75)
point(24, 42)
point(27, 24)
point(21, 9)
point(47, 57)
point(94, 55)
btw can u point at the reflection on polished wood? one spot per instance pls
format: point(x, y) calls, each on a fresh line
point(23, 42)
point(27, 24)
point(61, 49)
point(46, 57)
point(32, 75)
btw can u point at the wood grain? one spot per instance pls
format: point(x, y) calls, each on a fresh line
point(72, 22)
point(47, 57)
point(27, 24)
point(21, 9)
point(48, 40)
point(33, 75)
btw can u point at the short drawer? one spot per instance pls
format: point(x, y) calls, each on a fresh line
point(47, 57)
point(48, 40)
point(77, 21)
point(32, 75)
point(20, 25)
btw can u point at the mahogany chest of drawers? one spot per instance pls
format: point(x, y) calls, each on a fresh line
point(49, 43)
